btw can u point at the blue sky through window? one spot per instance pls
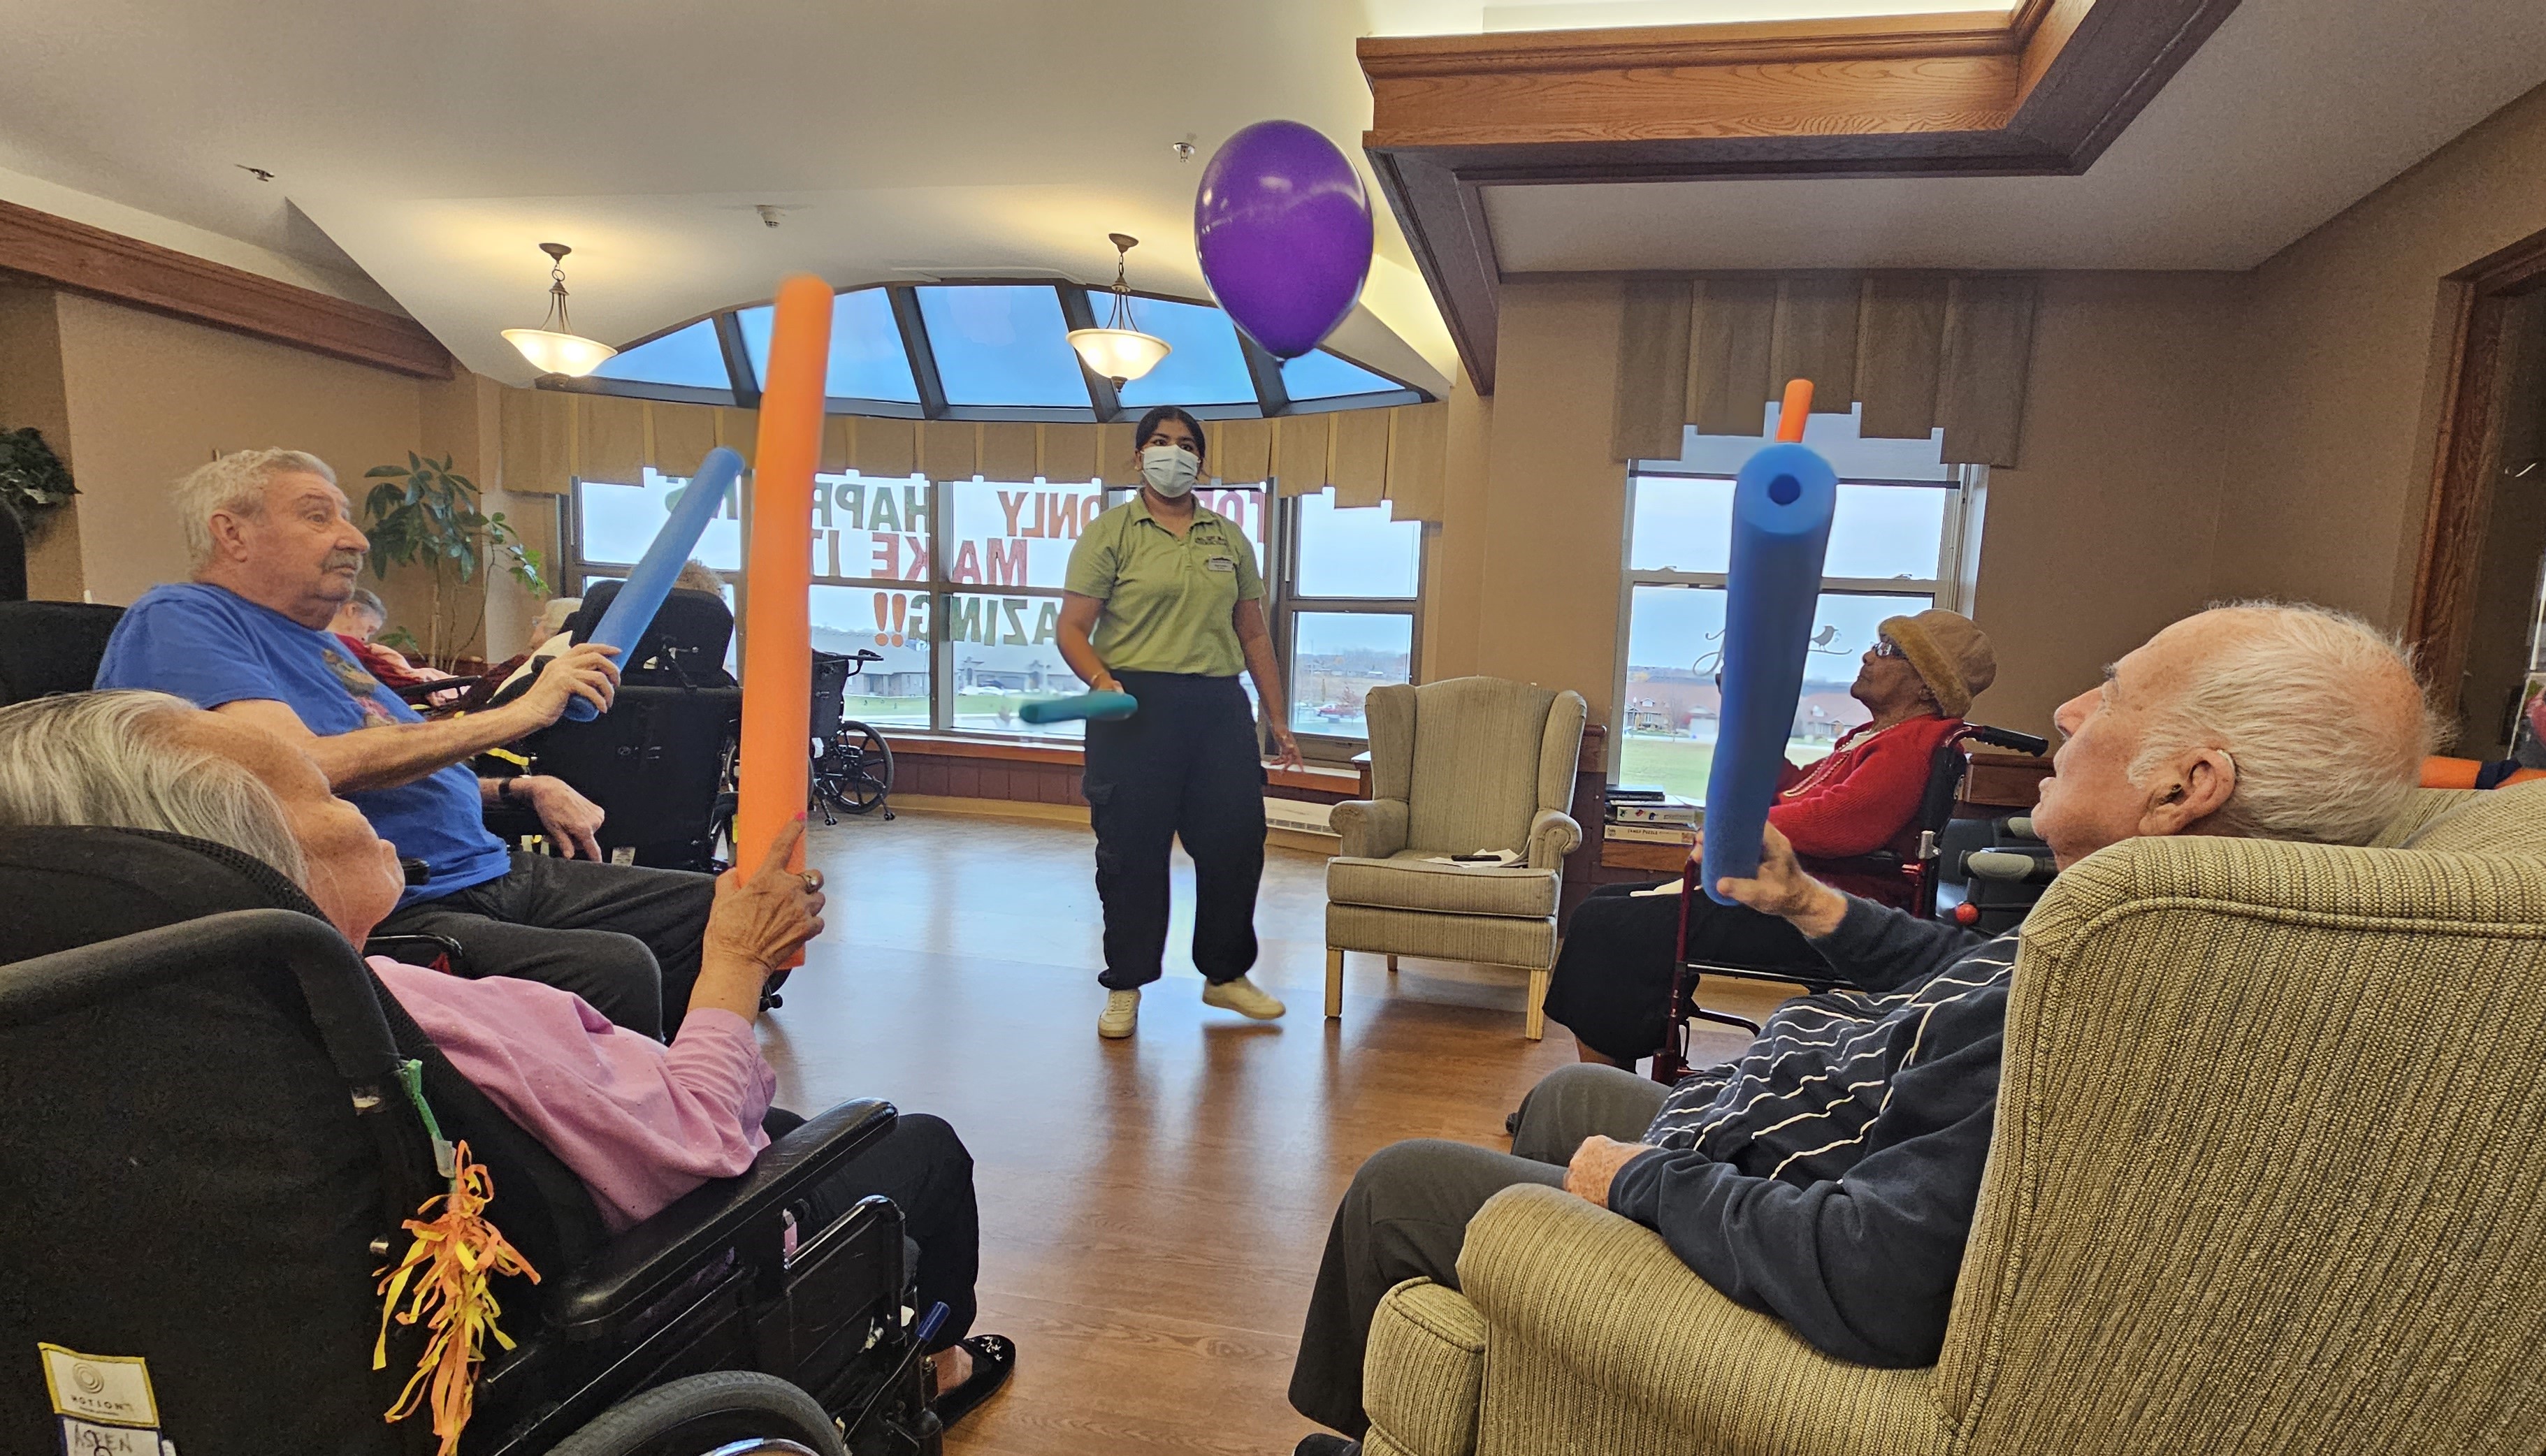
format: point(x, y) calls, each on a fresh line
point(683, 356)
point(1205, 364)
point(867, 358)
point(1318, 374)
point(1002, 344)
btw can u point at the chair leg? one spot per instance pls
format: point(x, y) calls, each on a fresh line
point(1391, 965)
point(1334, 983)
point(1534, 1021)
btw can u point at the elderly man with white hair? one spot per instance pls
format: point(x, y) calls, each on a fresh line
point(275, 556)
point(1828, 1175)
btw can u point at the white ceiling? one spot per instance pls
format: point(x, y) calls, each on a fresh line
point(2291, 113)
point(430, 148)
point(434, 145)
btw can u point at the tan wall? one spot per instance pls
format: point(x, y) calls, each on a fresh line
point(2342, 366)
point(31, 396)
point(2103, 534)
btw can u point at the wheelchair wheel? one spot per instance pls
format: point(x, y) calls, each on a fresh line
point(706, 1413)
point(853, 773)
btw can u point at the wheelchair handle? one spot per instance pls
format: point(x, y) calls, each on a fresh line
point(2007, 738)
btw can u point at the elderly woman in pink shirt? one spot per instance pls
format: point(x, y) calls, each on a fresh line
point(640, 1123)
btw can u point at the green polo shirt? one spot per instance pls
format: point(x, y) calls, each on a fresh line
point(1168, 602)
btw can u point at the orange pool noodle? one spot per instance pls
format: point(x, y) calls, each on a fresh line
point(778, 574)
point(1792, 414)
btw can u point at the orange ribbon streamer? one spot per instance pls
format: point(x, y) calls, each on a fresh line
point(455, 1255)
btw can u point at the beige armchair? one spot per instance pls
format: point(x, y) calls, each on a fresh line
point(2267, 1178)
point(1458, 767)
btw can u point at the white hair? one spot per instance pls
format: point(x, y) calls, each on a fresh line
point(120, 759)
point(235, 483)
point(2313, 706)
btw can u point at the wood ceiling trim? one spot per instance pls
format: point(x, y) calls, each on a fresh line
point(2037, 89)
point(47, 248)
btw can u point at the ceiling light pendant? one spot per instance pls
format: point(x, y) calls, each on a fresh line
point(1117, 351)
point(555, 348)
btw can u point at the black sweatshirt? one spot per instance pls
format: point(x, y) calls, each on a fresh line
point(1828, 1176)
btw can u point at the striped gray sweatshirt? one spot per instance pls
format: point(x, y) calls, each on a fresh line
point(1828, 1176)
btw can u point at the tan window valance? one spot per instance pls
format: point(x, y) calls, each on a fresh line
point(1918, 350)
point(551, 438)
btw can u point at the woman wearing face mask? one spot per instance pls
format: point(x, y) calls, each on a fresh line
point(1166, 602)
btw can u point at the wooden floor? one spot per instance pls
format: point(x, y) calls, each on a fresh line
point(1152, 1209)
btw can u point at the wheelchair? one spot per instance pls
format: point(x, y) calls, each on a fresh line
point(216, 1121)
point(852, 764)
point(1922, 867)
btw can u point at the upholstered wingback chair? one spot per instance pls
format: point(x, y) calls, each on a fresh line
point(1456, 768)
point(2267, 1178)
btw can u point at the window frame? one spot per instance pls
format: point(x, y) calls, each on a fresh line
point(1287, 602)
point(1951, 586)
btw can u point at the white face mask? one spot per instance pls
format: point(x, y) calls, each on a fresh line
point(1170, 469)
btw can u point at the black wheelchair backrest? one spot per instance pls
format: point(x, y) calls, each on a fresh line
point(686, 642)
point(49, 647)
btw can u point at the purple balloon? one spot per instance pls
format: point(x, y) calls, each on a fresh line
point(1283, 226)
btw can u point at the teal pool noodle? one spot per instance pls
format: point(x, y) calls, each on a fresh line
point(1782, 503)
point(1084, 705)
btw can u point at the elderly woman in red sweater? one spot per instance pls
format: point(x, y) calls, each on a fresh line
point(1612, 979)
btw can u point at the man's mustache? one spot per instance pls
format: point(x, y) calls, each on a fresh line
point(350, 561)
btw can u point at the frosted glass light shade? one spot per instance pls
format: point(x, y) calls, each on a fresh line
point(1120, 354)
point(570, 354)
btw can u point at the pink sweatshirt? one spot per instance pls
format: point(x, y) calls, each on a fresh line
point(641, 1123)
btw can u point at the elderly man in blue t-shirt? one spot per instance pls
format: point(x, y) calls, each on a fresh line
point(275, 552)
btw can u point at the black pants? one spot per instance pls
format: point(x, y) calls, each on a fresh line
point(1611, 986)
point(1184, 766)
point(927, 1172)
point(1405, 1216)
point(623, 938)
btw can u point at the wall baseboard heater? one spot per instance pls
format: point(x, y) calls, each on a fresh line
point(1299, 814)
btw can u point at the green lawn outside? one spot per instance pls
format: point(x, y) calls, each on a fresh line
point(1681, 764)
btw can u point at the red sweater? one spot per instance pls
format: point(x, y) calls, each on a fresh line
point(1864, 796)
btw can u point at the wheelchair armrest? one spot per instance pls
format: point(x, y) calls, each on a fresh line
point(650, 1258)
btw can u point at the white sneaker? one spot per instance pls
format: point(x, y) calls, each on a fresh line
point(1122, 1013)
point(1244, 997)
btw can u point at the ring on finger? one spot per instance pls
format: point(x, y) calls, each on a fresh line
point(813, 879)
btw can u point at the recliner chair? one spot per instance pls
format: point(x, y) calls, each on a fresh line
point(202, 1118)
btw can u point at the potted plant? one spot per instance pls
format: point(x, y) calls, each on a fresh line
point(33, 479)
point(423, 513)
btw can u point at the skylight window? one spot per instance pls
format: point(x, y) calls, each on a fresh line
point(690, 357)
point(868, 361)
point(1002, 344)
point(1318, 374)
point(1204, 364)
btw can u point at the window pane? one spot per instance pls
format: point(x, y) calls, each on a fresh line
point(893, 692)
point(1681, 524)
point(868, 361)
point(1204, 364)
point(1355, 551)
point(1002, 344)
point(687, 356)
point(1887, 530)
point(869, 528)
point(615, 524)
point(1685, 523)
point(1016, 535)
point(1317, 375)
point(1007, 653)
point(1336, 658)
point(1674, 645)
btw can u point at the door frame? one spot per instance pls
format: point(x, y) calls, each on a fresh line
point(2478, 300)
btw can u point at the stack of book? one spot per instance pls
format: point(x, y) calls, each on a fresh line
point(1650, 816)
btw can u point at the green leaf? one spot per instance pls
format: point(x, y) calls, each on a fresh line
point(379, 472)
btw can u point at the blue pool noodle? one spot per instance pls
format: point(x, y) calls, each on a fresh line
point(1782, 503)
point(1083, 705)
point(633, 610)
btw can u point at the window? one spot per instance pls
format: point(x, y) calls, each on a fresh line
point(1905, 537)
point(991, 350)
point(957, 585)
point(1344, 616)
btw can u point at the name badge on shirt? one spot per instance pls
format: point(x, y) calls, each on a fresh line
point(1219, 563)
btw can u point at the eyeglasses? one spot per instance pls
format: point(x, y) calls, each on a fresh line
point(1885, 647)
